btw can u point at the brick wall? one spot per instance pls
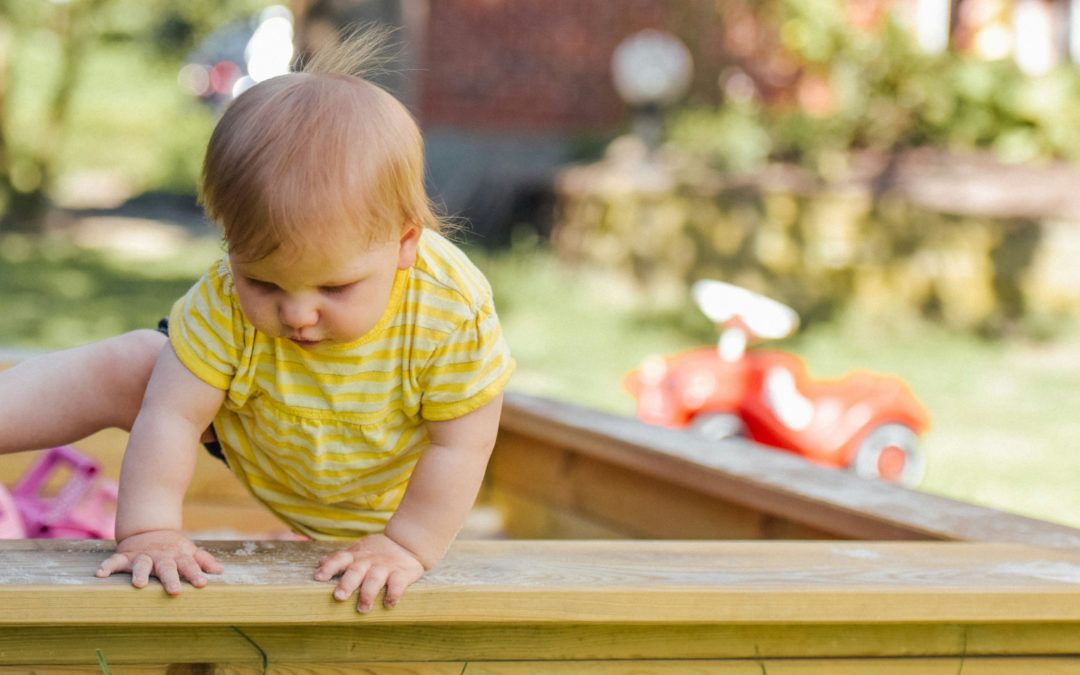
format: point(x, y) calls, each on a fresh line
point(544, 65)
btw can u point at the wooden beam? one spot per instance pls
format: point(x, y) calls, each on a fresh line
point(599, 606)
point(577, 459)
point(50, 582)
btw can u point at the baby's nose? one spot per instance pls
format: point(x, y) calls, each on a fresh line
point(298, 313)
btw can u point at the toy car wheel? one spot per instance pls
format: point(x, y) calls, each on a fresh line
point(718, 426)
point(890, 453)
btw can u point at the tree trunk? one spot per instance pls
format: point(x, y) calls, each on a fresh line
point(27, 205)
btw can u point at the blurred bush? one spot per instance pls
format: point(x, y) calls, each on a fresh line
point(878, 176)
point(819, 249)
point(874, 89)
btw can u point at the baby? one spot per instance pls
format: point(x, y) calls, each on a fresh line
point(344, 357)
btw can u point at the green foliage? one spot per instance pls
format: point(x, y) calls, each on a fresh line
point(885, 94)
point(732, 138)
point(172, 28)
point(127, 117)
point(91, 85)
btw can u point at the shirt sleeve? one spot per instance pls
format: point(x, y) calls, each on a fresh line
point(470, 368)
point(206, 328)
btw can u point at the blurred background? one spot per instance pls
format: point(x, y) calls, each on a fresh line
point(901, 172)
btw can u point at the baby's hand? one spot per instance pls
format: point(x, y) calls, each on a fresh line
point(370, 564)
point(168, 554)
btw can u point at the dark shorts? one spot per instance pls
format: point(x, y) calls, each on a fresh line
point(213, 447)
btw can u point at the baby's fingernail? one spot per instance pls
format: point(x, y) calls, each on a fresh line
point(340, 595)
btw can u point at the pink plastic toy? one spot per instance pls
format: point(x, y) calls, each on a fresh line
point(11, 525)
point(83, 508)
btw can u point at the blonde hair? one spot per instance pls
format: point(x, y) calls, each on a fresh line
point(298, 156)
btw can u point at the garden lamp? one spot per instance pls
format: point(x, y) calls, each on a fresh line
point(651, 70)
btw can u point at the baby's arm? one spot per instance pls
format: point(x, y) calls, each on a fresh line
point(441, 492)
point(157, 468)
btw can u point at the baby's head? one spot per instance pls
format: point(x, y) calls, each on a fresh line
point(321, 156)
point(317, 179)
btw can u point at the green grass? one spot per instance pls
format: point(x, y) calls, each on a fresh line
point(1004, 432)
point(55, 295)
point(1005, 427)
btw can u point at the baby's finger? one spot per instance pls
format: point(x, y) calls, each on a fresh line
point(350, 580)
point(168, 576)
point(208, 562)
point(333, 564)
point(396, 584)
point(117, 562)
point(369, 589)
point(190, 570)
point(140, 570)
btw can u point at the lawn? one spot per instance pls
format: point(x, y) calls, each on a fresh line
point(1004, 424)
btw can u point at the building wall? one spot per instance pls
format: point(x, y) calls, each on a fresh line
point(507, 89)
point(540, 65)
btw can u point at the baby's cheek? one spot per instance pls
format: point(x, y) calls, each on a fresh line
point(355, 326)
point(260, 314)
point(359, 317)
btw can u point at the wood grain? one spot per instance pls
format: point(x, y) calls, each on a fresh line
point(581, 492)
point(50, 582)
point(349, 641)
point(562, 607)
point(969, 666)
point(766, 482)
point(952, 666)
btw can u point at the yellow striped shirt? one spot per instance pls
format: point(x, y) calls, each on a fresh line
point(328, 438)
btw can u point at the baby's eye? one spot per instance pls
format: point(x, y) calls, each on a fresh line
point(262, 285)
point(337, 290)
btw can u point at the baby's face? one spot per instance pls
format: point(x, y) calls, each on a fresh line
point(319, 295)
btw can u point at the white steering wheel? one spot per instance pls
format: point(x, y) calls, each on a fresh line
point(763, 317)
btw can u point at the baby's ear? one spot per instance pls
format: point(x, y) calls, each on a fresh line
point(410, 239)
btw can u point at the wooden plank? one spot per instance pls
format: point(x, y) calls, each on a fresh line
point(769, 482)
point(49, 582)
point(526, 518)
point(576, 641)
point(126, 645)
point(154, 667)
point(618, 499)
point(208, 668)
point(687, 667)
point(953, 666)
point(348, 641)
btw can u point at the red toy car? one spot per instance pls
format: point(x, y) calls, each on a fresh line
point(865, 422)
